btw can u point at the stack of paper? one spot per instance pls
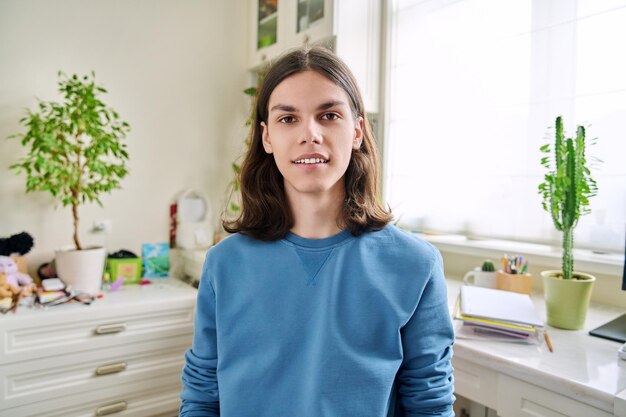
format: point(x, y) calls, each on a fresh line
point(486, 313)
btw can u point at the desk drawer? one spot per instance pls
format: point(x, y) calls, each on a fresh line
point(82, 329)
point(476, 383)
point(130, 365)
point(158, 397)
point(520, 399)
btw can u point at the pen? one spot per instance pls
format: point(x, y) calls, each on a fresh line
point(548, 342)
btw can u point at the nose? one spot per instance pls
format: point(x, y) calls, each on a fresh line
point(311, 132)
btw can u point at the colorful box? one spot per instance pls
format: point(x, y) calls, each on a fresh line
point(156, 260)
point(127, 268)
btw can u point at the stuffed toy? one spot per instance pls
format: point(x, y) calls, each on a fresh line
point(13, 278)
point(20, 244)
point(7, 290)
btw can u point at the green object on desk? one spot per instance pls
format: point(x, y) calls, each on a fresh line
point(127, 268)
point(567, 301)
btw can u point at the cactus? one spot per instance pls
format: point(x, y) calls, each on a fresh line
point(488, 266)
point(567, 187)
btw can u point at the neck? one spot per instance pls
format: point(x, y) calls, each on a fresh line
point(316, 216)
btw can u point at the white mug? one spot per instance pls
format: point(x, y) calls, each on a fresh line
point(480, 278)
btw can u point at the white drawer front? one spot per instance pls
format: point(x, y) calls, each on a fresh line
point(44, 336)
point(47, 379)
point(520, 399)
point(157, 397)
point(477, 383)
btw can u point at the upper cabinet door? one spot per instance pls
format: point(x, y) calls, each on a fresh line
point(310, 21)
point(266, 37)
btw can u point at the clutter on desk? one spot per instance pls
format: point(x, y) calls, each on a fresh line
point(52, 292)
point(66, 295)
point(491, 314)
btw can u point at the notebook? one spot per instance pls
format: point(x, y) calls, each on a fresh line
point(508, 306)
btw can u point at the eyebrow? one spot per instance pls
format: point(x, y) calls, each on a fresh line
point(324, 106)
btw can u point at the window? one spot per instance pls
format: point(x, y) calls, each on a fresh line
point(474, 86)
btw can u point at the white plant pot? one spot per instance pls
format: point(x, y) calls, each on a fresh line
point(82, 269)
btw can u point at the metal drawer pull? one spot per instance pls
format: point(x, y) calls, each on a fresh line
point(112, 408)
point(111, 369)
point(111, 328)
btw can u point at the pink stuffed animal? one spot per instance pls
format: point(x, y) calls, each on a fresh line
point(8, 267)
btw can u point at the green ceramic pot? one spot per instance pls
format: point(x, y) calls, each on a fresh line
point(567, 301)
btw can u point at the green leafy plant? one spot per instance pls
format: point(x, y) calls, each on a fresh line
point(232, 203)
point(567, 187)
point(76, 150)
point(488, 266)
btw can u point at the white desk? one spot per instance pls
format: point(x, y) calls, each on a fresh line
point(583, 377)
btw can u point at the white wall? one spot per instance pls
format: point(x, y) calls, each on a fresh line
point(174, 70)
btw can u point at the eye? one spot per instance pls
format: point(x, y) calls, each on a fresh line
point(330, 116)
point(287, 119)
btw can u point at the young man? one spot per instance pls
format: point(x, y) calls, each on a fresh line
point(316, 306)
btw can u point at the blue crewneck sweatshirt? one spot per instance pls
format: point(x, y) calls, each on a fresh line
point(336, 327)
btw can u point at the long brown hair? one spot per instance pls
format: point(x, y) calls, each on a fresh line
point(265, 212)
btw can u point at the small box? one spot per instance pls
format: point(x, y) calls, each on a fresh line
point(521, 283)
point(156, 260)
point(127, 268)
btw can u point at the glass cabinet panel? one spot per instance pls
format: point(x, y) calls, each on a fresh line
point(309, 12)
point(267, 23)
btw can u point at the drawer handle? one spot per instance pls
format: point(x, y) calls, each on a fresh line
point(111, 328)
point(111, 369)
point(112, 408)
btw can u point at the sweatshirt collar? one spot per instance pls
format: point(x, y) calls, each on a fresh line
point(318, 243)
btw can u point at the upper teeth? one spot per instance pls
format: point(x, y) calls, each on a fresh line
point(311, 161)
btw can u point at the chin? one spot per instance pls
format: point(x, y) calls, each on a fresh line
point(313, 187)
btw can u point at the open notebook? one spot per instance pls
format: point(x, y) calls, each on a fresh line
point(485, 313)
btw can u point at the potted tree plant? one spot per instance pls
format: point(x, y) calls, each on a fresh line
point(76, 153)
point(566, 190)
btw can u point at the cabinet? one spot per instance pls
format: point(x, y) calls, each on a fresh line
point(475, 382)
point(122, 354)
point(520, 399)
point(351, 28)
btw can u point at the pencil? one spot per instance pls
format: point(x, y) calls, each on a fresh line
point(548, 342)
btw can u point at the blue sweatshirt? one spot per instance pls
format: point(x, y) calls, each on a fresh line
point(338, 327)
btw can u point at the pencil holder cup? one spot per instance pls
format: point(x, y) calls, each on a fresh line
point(521, 283)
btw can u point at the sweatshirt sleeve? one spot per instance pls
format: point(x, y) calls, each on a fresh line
point(200, 395)
point(426, 381)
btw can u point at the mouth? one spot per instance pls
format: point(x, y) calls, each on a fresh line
point(310, 159)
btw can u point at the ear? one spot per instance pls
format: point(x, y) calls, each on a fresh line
point(358, 133)
point(267, 145)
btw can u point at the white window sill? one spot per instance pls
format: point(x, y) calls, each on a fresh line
point(585, 260)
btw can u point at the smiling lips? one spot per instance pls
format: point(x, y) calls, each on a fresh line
point(311, 159)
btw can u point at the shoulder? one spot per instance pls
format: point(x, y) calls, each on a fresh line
point(397, 250)
point(236, 247)
point(233, 243)
point(394, 239)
